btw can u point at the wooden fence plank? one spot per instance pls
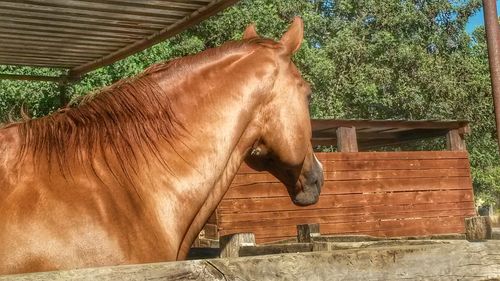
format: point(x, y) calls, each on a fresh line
point(330, 201)
point(377, 164)
point(346, 139)
point(276, 189)
point(360, 156)
point(421, 226)
point(438, 174)
point(458, 260)
point(245, 218)
point(345, 156)
point(327, 218)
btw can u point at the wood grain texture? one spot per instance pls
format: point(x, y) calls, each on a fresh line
point(373, 210)
point(455, 141)
point(478, 228)
point(459, 260)
point(266, 188)
point(346, 139)
point(230, 244)
point(348, 200)
point(375, 193)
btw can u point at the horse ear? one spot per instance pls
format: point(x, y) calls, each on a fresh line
point(294, 35)
point(250, 32)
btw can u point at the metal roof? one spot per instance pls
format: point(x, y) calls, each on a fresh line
point(378, 133)
point(82, 35)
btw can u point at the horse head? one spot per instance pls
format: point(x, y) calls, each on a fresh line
point(284, 148)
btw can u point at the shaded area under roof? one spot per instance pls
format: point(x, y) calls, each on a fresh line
point(83, 35)
point(377, 133)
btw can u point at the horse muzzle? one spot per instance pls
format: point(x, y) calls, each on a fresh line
point(311, 183)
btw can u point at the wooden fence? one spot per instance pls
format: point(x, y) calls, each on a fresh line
point(454, 260)
point(383, 194)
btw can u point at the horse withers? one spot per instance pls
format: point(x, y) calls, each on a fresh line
point(132, 174)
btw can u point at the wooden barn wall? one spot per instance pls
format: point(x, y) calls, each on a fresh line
point(375, 193)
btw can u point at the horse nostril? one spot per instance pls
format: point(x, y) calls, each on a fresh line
point(319, 183)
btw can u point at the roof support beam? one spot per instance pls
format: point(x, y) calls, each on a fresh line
point(158, 37)
point(57, 79)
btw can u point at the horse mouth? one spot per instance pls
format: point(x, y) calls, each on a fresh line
point(306, 198)
point(309, 195)
point(311, 189)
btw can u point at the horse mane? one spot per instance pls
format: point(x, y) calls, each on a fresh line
point(126, 119)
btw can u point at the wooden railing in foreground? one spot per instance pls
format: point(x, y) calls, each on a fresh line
point(449, 260)
point(309, 239)
point(374, 260)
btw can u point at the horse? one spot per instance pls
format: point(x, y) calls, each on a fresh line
point(132, 174)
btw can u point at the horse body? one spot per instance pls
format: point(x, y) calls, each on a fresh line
point(141, 189)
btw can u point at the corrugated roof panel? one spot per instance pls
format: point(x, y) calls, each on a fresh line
point(82, 35)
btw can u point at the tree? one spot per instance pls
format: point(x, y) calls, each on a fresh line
point(371, 59)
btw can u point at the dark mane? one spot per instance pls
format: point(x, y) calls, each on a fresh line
point(126, 119)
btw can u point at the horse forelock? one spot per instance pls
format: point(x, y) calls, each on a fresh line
point(125, 120)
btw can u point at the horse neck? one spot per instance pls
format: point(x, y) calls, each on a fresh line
point(219, 118)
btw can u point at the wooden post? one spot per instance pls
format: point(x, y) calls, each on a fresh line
point(478, 228)
point(346, 139)
point(63, 93)
point(455, 141)
point(492, 42)
point(230, 244)
point(307, 232)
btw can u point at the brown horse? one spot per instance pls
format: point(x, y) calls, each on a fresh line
point(132, 174)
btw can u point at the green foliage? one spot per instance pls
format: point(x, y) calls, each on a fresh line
point(37, 97)
point(371, 59)
point(487, 184)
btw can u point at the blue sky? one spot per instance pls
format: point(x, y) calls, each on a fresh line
point(478, 19)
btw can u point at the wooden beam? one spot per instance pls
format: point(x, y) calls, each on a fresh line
point(450, 260)
point(346, 139)
point(402, 138)
point(230, 244)
point(165, 33)
point(455, 141)
point(31, 77)
point(321, 124)
point(259, 250)
point(307, 232)
point(377, 133)
point(492, 29)
point(478, 228)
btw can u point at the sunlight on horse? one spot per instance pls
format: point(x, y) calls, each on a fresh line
point(132, 174)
